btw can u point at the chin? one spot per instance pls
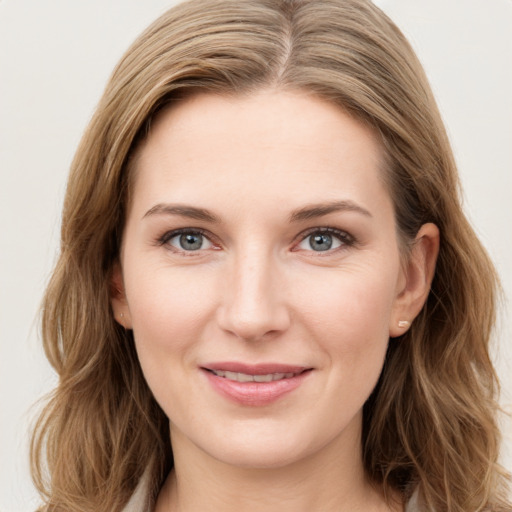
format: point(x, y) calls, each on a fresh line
point(259, 457)
point(267, 446)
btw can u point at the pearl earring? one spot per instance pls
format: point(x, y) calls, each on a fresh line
point(403, 324)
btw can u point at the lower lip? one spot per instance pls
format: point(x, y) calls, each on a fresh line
point(255, 394)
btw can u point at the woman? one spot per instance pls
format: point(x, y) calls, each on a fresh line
point(268, 296)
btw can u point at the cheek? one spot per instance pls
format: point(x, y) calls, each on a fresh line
point(167, 308)
point(353, 334)
point(350, 318)
point(358, 301)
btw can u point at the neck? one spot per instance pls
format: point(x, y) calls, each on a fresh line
point(330, 480)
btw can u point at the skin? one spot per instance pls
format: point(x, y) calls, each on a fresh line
point(257, 291)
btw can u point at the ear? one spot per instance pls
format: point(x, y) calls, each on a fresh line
point(415, 280)
point(118, 298)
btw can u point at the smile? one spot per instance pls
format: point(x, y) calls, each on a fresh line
point(245, 377)
point(254, 385)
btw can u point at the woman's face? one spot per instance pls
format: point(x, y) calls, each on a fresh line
point(260, 274)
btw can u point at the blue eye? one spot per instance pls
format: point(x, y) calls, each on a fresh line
point(324, 240)
point(188, 241)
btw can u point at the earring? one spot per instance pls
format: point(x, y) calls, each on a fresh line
point(122, 315)
point(403, 324)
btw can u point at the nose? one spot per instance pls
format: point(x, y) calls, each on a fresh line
point(253, 303)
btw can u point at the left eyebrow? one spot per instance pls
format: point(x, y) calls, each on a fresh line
point(318, 210)
point(183, 211)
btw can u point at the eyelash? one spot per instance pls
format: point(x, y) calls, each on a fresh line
point(169, 235)
point(346, 239)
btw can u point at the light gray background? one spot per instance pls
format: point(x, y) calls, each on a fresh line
point(55, 57)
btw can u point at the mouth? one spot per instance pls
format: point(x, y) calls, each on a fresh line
point(254, 385)
point(247, 377)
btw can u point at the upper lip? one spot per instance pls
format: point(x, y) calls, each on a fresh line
point(254, 369)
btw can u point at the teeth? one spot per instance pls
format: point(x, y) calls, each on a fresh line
point(244, 377)
point(264, 378)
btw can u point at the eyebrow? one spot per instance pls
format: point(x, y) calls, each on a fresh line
point(318, 210)
point(182, 210)
point(305, 213)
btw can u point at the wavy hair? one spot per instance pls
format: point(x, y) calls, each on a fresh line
point(431, 423)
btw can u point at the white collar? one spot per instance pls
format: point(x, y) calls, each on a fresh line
point(139, 501)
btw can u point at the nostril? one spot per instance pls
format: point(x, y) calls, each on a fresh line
point(252, 304)
point(258, 327)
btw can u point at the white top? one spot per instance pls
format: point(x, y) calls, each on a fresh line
point(139, 502)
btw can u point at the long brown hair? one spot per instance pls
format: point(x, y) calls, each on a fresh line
point(430, 423)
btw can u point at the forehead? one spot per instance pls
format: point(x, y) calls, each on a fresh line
point(268, 145)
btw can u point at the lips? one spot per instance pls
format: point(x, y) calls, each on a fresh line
point(246, 377)
point(254, 385)
point(254, 369)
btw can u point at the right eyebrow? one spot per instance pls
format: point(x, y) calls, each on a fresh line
point(183, 211)
point(319, 210)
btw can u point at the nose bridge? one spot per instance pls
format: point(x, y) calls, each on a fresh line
point(253, 301)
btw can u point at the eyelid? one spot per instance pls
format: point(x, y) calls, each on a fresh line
point(346, 239)
point(168, 235)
